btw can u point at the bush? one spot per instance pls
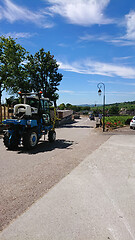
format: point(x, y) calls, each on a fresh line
point(127, 122)
point(117, 121)
point(114, 110)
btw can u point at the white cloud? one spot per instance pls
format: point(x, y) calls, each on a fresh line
point(12, 12)
point(118, 40)
point(122, 58)
point(113, 82)
point(124, 40)
point(81, 12)
point(121, 93)
point(66, 91)
point(76, 93)
point(18, 35)
point(79, 93)
point(99, 68)
point(130, 24)
point(89, 37)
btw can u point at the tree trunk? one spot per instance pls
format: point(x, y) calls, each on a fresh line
point(55, 104)
point(0, 94)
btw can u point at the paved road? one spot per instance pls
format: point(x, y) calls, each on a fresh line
point(27, 176)
point(95, 201)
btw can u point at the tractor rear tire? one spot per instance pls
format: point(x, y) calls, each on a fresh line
point(11, 143)
point(52, 136)
point(30, 139)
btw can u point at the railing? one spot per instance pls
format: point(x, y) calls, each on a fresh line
point(4, 112)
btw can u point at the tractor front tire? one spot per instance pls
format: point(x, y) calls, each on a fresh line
point(52, 136)
point(11, 142)
point(30, 139)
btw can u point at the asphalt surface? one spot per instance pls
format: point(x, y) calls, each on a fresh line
point(94, 201)
point(26, 176)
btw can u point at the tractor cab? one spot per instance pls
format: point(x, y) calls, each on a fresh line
point(33, 106)
point(39, 107)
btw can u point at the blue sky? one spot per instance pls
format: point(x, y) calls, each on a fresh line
point(92, 40)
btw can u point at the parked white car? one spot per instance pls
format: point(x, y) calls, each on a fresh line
point(132, 123)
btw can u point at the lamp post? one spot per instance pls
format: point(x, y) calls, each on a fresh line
point(100, 85)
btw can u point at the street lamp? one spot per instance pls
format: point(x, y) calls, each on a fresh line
point(100, 85)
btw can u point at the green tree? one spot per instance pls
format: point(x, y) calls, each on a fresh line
point(62, 106)
point(114, 110)
point(12, 68)
point(43, 73)
point(68, 106)
point(76, 108)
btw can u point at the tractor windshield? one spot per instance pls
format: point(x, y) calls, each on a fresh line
point(32, 102)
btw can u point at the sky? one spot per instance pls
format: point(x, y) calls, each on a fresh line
point(93, 41)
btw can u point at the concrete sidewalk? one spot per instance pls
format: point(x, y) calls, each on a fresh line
point(94, 202)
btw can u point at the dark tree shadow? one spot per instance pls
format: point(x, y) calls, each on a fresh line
point(73, 126)
point(46, 146)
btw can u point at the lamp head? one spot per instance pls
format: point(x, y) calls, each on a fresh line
point(99, 92)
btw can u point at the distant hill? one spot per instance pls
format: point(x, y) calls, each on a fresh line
point(89, 105)
point(121, 104)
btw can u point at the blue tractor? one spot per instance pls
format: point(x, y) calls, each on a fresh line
point(31, 119)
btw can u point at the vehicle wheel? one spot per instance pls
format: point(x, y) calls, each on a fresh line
point(30, 139)
point(11, 142)
point(52, 136)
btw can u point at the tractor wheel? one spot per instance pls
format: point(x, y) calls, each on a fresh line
point(11, 142)
point(52, 136)
point(30, 139)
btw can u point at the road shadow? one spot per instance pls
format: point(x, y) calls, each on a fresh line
point(74, 126)
point(46, 146)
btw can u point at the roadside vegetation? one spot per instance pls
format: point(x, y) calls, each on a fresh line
point(117, 121)
point(116, 115)
point(126, 108)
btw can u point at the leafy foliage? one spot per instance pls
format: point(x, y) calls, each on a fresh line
point(43, 73)
point(12, 69)
point(75, 108)
point(114, 110)
point(62, 106)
